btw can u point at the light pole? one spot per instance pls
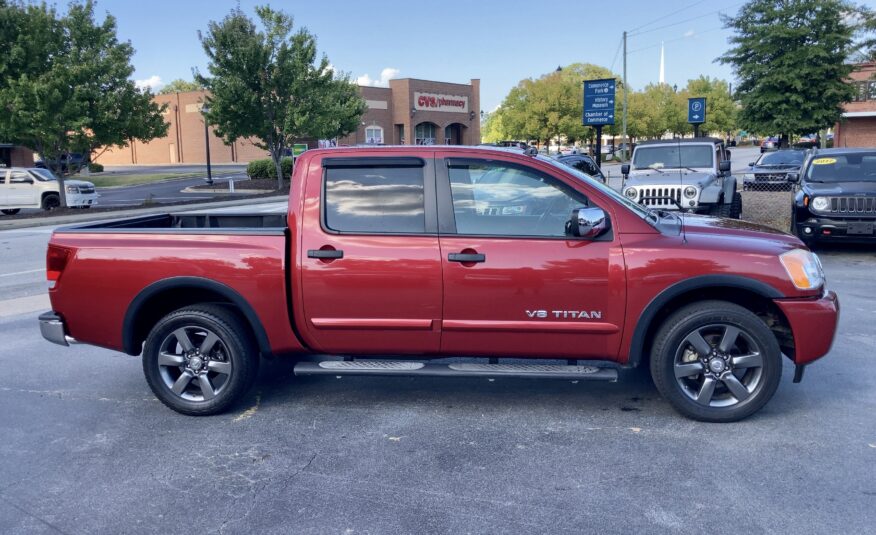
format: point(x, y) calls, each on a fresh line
point(205, 110)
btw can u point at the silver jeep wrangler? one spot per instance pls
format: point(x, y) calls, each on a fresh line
point(688, 174)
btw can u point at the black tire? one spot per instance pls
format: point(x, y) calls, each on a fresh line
point(11, 211)
point(736, 206)
point(230, 365)
point(754, 362)
point(51, 202)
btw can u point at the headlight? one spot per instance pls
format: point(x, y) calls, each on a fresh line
point(690, 192)
point(631, 193)
point(820, 203)
point(748, 177)
point(804, 269)
point(72, 189)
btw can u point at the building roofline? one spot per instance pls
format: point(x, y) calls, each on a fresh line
point(430, 81)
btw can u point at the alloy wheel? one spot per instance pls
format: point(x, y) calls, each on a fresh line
point(718, 365)
point(194, 363)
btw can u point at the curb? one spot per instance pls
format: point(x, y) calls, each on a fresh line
point(192, 189)
point(118, 214)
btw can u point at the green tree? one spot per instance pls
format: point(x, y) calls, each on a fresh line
point(65, 84)
point(268, 84)
point(180, 86)
point(790, 58)
point(551, 106)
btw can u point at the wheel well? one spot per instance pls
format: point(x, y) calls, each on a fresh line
point(146, 310)
point(762, 306)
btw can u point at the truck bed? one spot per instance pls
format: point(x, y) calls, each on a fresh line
point(188, 223)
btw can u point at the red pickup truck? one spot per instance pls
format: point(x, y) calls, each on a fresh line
point(402, 260)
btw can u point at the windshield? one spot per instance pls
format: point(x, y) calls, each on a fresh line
point(852, 167)
point(632, 205)
point(782, 157)
point(673, 156)
point(43, 174)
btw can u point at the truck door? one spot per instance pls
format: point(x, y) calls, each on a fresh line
point(515, 283)
point(21, 190)
point(370, 259)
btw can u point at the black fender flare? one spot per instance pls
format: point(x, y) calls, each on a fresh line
point(129, 343)
point(694, 283)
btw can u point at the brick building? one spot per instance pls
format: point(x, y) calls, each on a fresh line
point(858, 125)
point(15, 156)
point(408, 111)
point(185, 140)
point(422, 112)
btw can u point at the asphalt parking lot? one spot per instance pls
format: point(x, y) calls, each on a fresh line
point(87, 448)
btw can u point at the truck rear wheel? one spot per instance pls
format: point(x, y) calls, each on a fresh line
point(200, 360)
point(716, 361)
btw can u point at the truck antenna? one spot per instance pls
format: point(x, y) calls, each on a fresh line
point(681, 211)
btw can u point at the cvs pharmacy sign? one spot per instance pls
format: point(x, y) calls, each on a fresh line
point(438, 102)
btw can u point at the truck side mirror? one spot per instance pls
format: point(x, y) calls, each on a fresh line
point(587, 223)
point(625, 169)
point(724, 166)
point(793, 178)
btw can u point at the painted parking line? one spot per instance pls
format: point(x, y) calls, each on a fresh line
point(41, 270)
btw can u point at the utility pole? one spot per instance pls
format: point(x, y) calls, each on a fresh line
point(626, 141)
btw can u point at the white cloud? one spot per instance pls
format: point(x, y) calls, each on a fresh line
point(153, 83)
point(386, 75)
point(689, 33)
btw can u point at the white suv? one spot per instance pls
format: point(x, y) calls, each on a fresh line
point(22, 187)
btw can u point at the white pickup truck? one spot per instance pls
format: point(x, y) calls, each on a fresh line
point(30, 187)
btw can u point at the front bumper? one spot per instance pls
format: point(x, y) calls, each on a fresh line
point(53, 329)
point(78, 200)
point(824, 229)
point(813, 324)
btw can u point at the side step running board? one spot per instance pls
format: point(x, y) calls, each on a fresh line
point(407, 368)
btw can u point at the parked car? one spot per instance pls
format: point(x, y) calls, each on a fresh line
point(584, 164)
point(768, 144)
point(770, 170)
point(22, 187)
point(390, 259)
point(690, 174)
point(836, 196)
point(66, 163)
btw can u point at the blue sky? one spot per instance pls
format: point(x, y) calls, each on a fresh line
point(500, 42)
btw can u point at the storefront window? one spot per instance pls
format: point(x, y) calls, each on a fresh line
point(425, 134)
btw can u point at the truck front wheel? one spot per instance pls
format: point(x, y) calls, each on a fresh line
point(716, 361)
point(200, 360)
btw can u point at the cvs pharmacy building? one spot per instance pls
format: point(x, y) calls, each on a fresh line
point(419, 112)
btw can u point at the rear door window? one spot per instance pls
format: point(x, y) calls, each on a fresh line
point(378, 200)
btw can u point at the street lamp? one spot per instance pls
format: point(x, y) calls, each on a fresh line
point(205, 110)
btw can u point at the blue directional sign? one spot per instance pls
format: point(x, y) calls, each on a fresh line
point(598, 102)
point(696, 110)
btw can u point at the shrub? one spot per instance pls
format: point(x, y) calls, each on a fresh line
point(94, 167)
point(265, 168)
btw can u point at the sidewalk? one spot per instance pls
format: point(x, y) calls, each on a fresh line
point(119, 214)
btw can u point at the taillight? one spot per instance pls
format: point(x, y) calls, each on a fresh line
point(56, 261)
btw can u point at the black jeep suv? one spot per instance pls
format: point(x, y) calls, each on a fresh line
point(836, 196)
